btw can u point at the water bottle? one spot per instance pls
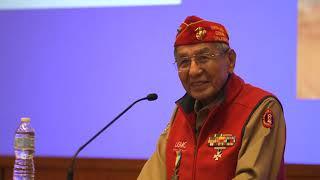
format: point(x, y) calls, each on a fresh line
point(24, 151)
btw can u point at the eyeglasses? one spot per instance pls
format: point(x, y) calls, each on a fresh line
point(183, 63)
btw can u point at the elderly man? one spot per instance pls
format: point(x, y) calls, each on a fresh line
point(222, 128)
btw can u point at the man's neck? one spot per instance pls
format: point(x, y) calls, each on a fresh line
point(217, 99)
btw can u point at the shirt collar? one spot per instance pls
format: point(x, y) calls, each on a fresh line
point(217, 101)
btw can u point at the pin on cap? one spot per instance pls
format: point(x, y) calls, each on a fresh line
point(25, 119)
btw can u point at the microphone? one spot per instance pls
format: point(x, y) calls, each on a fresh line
point(152, 97)
point(149, 97)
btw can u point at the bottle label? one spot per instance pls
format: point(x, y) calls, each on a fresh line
point(24, 143)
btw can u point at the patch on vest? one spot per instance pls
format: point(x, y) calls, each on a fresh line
point(267, 119)
point(219, 142)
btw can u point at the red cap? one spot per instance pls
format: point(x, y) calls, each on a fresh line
point(196, 30)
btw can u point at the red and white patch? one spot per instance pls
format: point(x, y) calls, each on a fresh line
point(267, 119)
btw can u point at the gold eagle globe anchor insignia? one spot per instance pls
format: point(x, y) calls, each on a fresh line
point(200, 33)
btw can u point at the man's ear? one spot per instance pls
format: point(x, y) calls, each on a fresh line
point(232, 56)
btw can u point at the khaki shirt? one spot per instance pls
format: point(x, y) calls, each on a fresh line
point(260, 154)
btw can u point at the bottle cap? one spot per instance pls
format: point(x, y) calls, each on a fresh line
point(25, 119)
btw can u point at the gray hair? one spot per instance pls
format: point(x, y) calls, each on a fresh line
point(221, 46)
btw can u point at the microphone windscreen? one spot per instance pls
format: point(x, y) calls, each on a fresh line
point(152, 97)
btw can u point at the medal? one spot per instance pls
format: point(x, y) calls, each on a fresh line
point(220, 142)
point(200, 33)
point(218, 154)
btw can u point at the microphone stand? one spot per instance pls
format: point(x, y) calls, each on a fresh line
point(150, 97)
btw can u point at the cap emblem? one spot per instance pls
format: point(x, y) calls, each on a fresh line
point(200, 33)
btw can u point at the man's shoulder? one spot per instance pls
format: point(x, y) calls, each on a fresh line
point(167, 128)
point(251, 96)
point(249, 88)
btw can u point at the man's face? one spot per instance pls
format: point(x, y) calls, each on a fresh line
point(202, 80)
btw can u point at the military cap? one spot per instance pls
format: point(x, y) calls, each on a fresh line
point(197, 30)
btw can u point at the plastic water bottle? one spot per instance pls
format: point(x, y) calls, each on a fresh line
point(24, 151)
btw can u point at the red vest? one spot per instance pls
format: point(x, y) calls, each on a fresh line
point(198, 155)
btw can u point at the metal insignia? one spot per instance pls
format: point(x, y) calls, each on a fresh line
point(200, 33)
point(218, 154)
point(220, 142)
